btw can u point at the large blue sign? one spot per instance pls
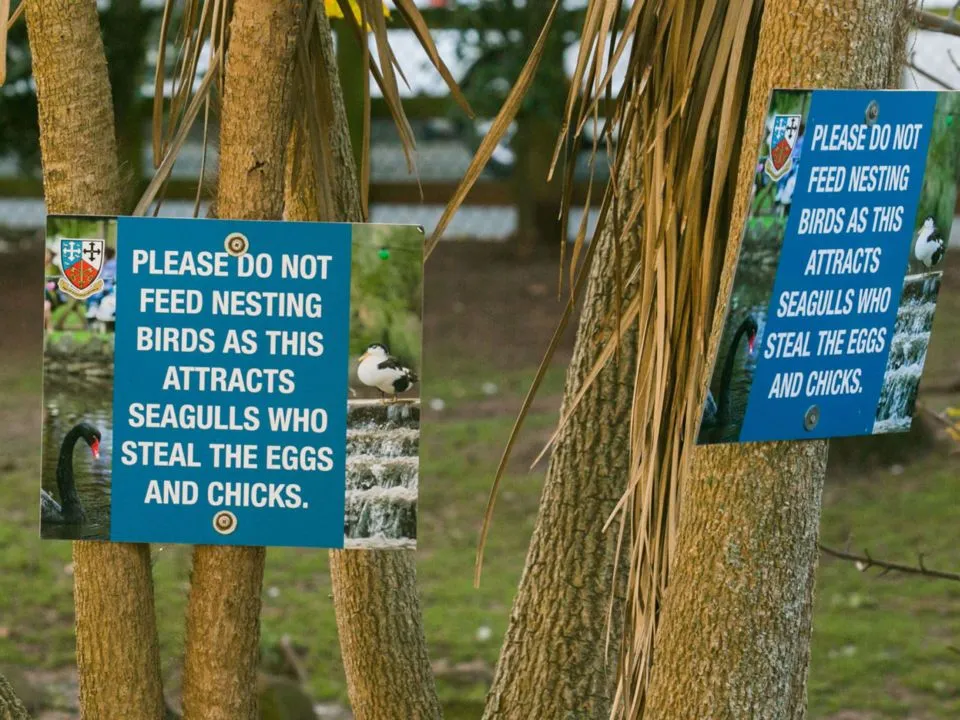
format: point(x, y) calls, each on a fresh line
point(254, 398)
point(233, 401)
point(833, 300)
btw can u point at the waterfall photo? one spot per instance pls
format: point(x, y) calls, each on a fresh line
point(79, 300)
point(921, 286)
point(383, 415)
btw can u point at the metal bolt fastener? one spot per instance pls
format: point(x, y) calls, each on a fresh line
point(236, 244)
point(224, 522)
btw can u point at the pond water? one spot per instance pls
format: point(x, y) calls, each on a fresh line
point(65, 405)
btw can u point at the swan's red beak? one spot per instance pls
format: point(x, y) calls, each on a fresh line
point(95, 449)
point(750, 341)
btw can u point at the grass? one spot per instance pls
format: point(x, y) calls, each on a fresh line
point(882, 646)
point(463, 625)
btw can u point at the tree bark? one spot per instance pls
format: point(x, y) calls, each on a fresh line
point(223, 614)
point(374, 591)
point(554, 663)
point(735, 631)
point(381, 635)
point(125, 28)
point(10, 706)
point(117, 649)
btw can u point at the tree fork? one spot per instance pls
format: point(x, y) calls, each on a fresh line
point(117, 650)
point(374, 591)
point(223, 614)
point(734, 637)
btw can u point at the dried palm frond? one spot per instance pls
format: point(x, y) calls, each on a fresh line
point(7, 20)
point(332, 9)
point(4, 16)
point(180, 95)
point(679, 119)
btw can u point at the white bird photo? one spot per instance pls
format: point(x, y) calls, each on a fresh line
point(930, 246)
point(378, 369)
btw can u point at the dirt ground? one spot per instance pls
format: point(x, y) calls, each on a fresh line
point(481, 302)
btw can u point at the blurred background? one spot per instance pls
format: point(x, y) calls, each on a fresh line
point(883, 647)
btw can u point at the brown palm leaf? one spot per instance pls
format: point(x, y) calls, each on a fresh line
point(203, 24)
point(680, 121)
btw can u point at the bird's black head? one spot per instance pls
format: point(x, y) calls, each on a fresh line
point(92, 436)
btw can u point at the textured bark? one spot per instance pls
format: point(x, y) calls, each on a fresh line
point(734, 637)
point(223, 615)
point(374, 591)
point(381, 635)
point(337, 196)
point(10, 706)
point(117, 650)
point(74, 106)
point(553, 662)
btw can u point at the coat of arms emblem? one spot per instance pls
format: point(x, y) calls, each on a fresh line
point(783, 138)
point(81, 263)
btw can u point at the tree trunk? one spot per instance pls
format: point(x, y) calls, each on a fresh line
point(223, 615)
point(734, 635)
point(381, 635)
point(10, 706)
point(125, 27)
point(537, 201)
point(374, 591)
point(117, 650)
point(554, 663)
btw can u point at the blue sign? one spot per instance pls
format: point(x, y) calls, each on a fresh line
point(832, 304)
point(233, 348)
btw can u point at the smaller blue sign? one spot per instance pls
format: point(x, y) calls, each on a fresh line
point(832, 304)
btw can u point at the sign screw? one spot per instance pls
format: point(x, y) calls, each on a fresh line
point(384, 254)
point(811, 417)
point(872, 113)
point(224, 522)
point(236, 244)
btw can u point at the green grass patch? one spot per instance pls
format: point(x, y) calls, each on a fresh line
point(466, 381)
point(463, 625)
point(883, 644)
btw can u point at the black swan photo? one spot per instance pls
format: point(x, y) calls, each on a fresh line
point(716, 412)
point(78, 353)
point(70, 508)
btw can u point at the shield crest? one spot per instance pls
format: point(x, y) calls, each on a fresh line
point(81, 263)
point(783, 138)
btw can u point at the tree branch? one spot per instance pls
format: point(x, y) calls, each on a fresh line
point(929, 76)
point(929, 21)
point(865, 562)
